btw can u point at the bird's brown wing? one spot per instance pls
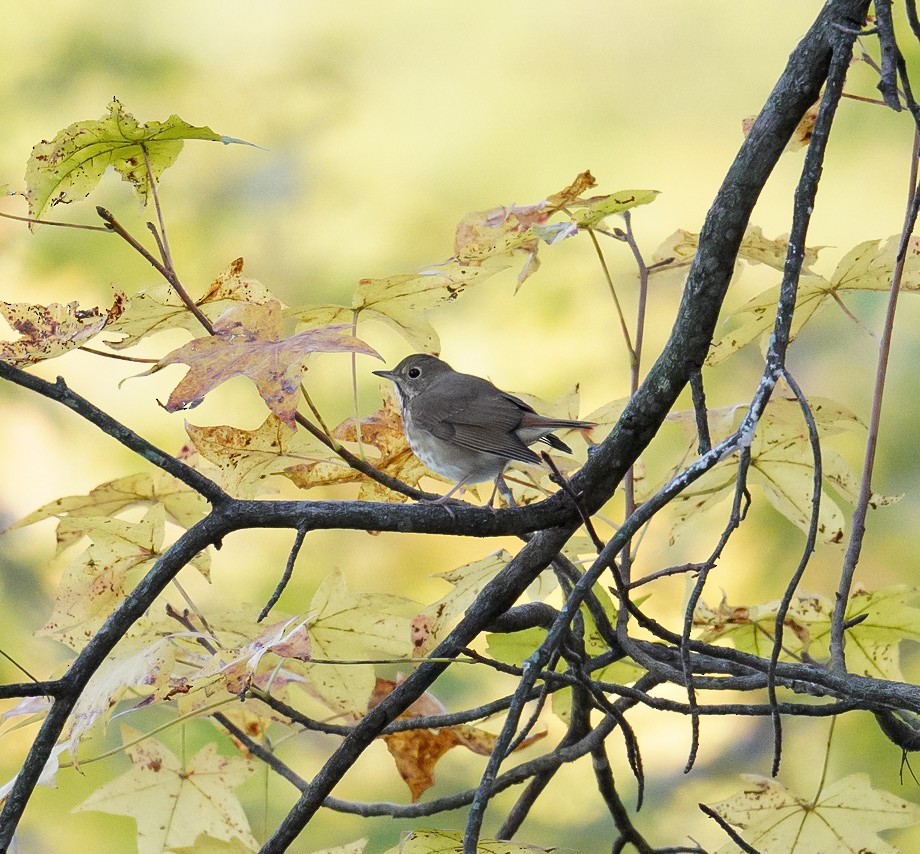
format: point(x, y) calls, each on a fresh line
point(488, 440)
point(454, 421)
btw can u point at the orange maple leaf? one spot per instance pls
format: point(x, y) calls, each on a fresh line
point(416, 752)
point(248, 340)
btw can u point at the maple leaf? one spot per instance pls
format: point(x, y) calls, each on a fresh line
point(72, 164)
point(885, 618)
point(451, 842)
point(48, 776)
point(248, 340)
point(416, 752)
point(467, 581)
point(92, 588)
point(844, 819)
point(485, 243)
point(159, 308)
point(348, 626)
point(136, 665)
point(869, 266)
point(51, 330)
point(755, 248)
point(285, 639)
point(382, 430)
point(782, 465)
point(247, 457)
point(181, 503)
point(174, 803)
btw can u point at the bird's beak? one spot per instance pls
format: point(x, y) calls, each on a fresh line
point(387, 375)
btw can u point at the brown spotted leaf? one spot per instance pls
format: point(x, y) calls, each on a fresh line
point(51, 330)
point(173, 801)
point(159, 308)
point(249, 340)
point(246, 457)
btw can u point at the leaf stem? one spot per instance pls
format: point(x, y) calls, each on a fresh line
point(858, 525)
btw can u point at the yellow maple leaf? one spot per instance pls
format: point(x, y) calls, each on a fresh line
point(174, 803)
point(844, 819)
point(246, 457)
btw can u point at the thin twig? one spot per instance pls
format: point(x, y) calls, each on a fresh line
point(286, 575)
point(858, 523)
point(732, 833)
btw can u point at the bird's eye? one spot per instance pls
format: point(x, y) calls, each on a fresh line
point(414, 373)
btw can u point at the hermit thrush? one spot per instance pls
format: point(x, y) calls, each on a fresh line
point(465, 428)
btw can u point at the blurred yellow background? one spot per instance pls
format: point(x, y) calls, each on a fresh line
point(381, 125)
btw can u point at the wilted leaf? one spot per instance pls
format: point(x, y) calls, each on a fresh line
point(68, 168)
point(845, 818)
point(48, 776)
point(486, 242)
point(416, 752)
point(237, 666)
point(51, 330)
point(95, 585)
point(136, 666)
point(247, 457)
point(248, 340)
point(159, 308)
point(382, 431)
point(173, 804)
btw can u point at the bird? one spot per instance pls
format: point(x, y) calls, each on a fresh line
point(465, 428)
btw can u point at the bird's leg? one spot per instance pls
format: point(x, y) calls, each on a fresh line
point(444, 498)
point(504, 489)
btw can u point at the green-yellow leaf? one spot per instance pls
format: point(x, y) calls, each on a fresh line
point(872, 645)
point(351, 626)
point(70, 166)
point(451, 842)
point(468, 581)
point(782, 464)
point(866, 267)
point(589, 213)
point(844, 819)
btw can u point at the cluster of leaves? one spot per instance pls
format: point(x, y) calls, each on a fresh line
point(202, 665)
